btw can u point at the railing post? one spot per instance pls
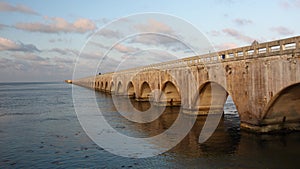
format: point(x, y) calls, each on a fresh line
point(255, 51)
point(297, 42)
point(267, 49)
point(281, 46)
point(244, 53)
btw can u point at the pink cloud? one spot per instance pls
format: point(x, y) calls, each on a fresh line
point(287, 4)
point(9, 45)
point(226, 46)
point(124, 49)
point(58, 25)
point(284, 4)
point(65, 51)
point(6, 44)
point(83, 25)
point(6, 7)
point(282, 30)
point(238, 35)
point(154, 26)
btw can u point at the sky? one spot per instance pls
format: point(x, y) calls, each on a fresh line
point(42, 40)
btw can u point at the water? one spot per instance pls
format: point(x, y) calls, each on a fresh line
point(39, 129)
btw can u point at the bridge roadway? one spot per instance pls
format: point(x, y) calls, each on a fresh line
point(263, 80)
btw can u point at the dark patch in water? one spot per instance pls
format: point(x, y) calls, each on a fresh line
point(18, 114)
point(14, 163)
point(53, 119)
point(56, 162)
point(83, 148)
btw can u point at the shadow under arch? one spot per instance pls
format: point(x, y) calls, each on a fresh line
point(120, 88)
point(130, 90)
point(145, 92)
point(112, 87)
point(210, 97)
point(101, 87)
point(284, 108)
point(171, 94)
point(106, 86)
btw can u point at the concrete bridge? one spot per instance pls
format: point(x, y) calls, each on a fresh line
point(263, 80)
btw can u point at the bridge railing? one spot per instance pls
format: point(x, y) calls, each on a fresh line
point(255, 50)
point(263, 49)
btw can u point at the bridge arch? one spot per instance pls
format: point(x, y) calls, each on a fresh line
point(101, 85)
point(207, 93)
point(145, 91)
point(130, 89)
point(112, 87)
point(171, 93)
point(284, 106)
point(106, 86)
point(120, 88)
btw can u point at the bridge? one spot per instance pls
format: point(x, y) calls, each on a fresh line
point(263, 80)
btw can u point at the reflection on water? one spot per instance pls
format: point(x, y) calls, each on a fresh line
point(225, 139)
point(39, 129)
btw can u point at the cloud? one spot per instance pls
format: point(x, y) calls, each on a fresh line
point(100, 45)
point(124, 49)
point(58, 25)
point(27, 48)
point(31, 67)
point(59, 40)
point(137, 59)
point(6, 7)
point(3, 26)
point(238, 35)
point(154, 26)
point(64, 60)
point(9, 45)
point(159, 41)
point(282, 30)
point(6, 44)
point(108, 33)
point(64, 51)
point(242, 22)
point(284, 4)
point(287, 4)
point(158, 56)
point(28, 57)
point(153, 39)
point(226, 46)
point(92, 55)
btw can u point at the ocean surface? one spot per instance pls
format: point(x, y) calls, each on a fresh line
point(39, 128)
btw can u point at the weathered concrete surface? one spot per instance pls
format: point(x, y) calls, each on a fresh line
point(263, 81)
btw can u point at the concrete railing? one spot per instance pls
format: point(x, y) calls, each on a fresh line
point(255, 50)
